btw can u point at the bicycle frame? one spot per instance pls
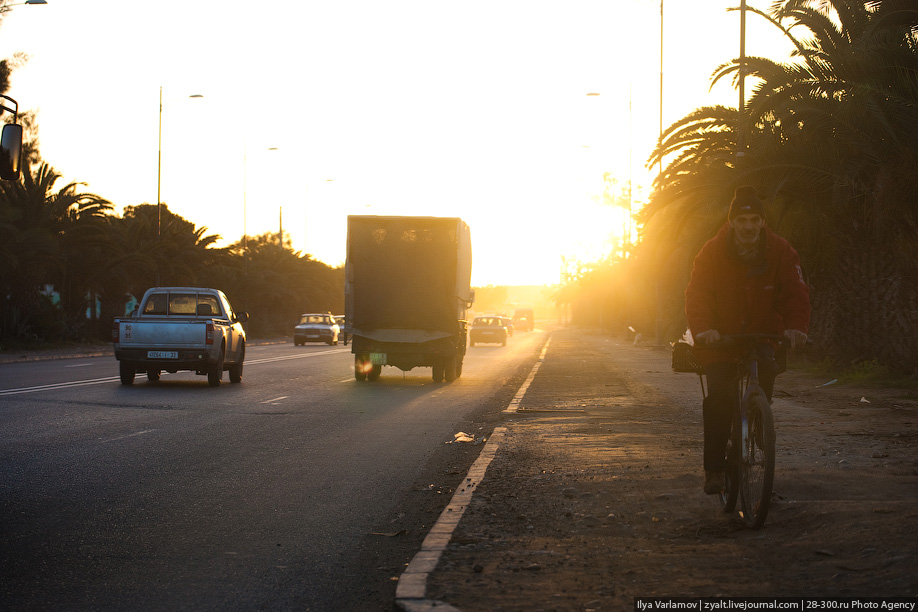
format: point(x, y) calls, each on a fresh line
point(748, 385)
point(755, 456)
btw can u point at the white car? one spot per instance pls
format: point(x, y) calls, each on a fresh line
point(316, 328)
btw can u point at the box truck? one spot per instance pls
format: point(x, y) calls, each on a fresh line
point(406, 293)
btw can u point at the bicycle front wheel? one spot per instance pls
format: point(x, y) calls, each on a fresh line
point(728, 496)
point(757, 462)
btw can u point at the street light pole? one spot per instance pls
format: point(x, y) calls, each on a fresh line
point(741, 106)
point(159, 168)
point(159, 156)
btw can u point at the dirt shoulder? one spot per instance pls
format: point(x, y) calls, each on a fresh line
point(594, 498)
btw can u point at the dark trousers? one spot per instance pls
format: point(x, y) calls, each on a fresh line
point(721, 403)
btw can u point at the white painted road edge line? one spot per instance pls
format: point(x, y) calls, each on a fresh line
point(514, 405)
point(411, 591)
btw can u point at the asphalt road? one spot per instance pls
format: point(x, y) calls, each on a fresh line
point(299, 489)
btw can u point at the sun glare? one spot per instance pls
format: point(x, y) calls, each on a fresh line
point(475, 110)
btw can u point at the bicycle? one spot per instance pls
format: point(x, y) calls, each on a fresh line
point(750, 452)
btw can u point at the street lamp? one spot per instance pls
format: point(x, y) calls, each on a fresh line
point(159, 154)
point(6, 7)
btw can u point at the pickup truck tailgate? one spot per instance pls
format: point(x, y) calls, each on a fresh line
point(165, 333)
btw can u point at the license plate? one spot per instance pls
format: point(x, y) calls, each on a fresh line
point(378, 358)
point(312, 335)
point(162, 354)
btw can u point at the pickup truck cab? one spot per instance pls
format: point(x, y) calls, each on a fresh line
point(181, 328)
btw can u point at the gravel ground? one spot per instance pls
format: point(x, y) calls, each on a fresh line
point(594, 496)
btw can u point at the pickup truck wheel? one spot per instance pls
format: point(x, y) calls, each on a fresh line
point(215, 372)
point(153, 375)
point(235, 370)
point(127, 372)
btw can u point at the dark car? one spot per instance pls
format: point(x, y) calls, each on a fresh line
point(490, 329)
point(524, 319)
point(316, 328)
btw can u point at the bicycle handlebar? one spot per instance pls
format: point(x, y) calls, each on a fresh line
point(732, 339)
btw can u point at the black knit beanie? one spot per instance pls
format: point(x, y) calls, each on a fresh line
point(745, 202)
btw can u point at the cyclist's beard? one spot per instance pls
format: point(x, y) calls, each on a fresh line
point(747, 238)
point(747, 251)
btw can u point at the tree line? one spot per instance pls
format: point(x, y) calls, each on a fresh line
point(829, 138)
point(69, 266)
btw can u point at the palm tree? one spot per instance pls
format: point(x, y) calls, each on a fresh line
point(830, 138)
point(37, 225)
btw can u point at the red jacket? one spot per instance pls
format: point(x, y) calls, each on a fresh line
point(733, 297)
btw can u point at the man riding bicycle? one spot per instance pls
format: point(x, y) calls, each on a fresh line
point(746, 279)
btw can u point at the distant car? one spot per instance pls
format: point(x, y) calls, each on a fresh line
point(316, 328)
point(490, 329)
point(524, 319)
point(508, 323)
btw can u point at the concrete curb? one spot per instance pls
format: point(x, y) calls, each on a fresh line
point(411, 593)
point(412, 584)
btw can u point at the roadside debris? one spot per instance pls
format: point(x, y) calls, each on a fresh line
point(465, 437)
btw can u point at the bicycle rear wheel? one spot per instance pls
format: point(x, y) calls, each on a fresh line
point(757, 462)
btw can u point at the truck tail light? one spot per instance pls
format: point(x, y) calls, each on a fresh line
point(115, 332)
point(209, 334)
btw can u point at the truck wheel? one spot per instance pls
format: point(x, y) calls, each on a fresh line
point(127, 372)
point(449, 369)
point(458, 366)
point(438, 371)
point(215, 372)
point(235, 370)
point(153, 375)
point(374, 373)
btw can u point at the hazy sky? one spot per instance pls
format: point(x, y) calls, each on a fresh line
point(471, 109)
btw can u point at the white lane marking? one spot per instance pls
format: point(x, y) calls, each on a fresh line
point(78, 365)
point(286, 357)
point(99, 381)
point(136, 433)
point(276, 399)
point(64, 385)
point(518, 398)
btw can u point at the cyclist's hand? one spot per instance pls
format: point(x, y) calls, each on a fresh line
point(795, 337)
point(708, 336)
